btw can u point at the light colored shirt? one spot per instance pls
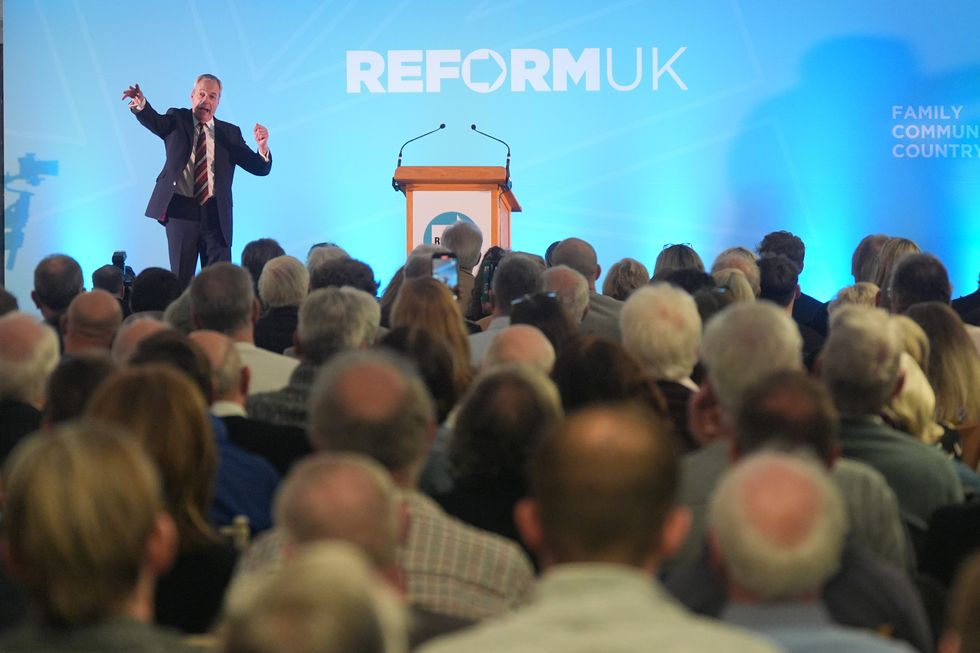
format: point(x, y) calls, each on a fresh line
point(480, 342)
point(270, 371)
point(805, 627)
point(579, 608)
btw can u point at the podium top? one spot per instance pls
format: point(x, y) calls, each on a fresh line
point(456, 176)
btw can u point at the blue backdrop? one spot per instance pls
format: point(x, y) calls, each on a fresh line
point(831, 119)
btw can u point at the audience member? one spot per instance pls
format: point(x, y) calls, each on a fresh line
point(676, 257)
point(256, 254)
point(601, 517)
point(865, 257)
point(110, 279)
point(918, 278)
point(222, 300)
point(779, 283)
point(133, 330)
point(367, 402)
point(863, 293)
point(968, 306)
point(600, 371)
point(325, 600)
point(465, 240)
point(280, 445)
point(520, 344)
point(778, 526)
point(742, 345)
point(516, 275)
point(603, 316)
point(154, 289)
point(572, 290)
point(789, 411)
point(499, 422)
point(623, 277)
point(178, 313)
point(88, 535)
point(545, 312)
point(72, 383)
point(807, 311)
point(322, 252)
point(687, 279)
point(28, 355)
point(891, 251)
point(57, 279)
point(91, 322)
point(860, 366)
point(341, 272)
point(739, 258)
point(283, 285)
point(734, 282)
point(164, 411)
point(427, 303)
point(331, 320)
point(662, 329)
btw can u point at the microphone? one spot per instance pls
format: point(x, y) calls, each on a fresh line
point(394, 184)
point(507, 167)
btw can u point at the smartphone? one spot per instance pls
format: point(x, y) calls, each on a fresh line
point(445, 269)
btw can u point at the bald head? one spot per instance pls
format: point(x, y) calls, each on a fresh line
point(779, 524)
point(29, 352)
point(604, 483)
point(520, 343)
point(93, 320)
point(578, 255)
point(572, 289)
point(131, 334)
point(226, 365)
point(373, 403)
point(345, 497)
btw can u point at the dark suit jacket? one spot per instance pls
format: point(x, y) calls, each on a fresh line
point(176, 128)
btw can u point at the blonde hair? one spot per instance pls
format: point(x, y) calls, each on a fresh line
point(165, 410)
point(864, 293)
point(736, 282)
point(889, 255)
point(426, 303)
point(913, 339)
point(81, 502)
point(913, 409)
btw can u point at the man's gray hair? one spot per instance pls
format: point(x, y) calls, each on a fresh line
point(745, 343)
point(222, 298)
point(780, 524)
point(465, 240)
point(860, 359)
point(572, 289)
point(340, 496)
point(661, 327)
point(29, 352)
point(57, 279)
point(389, 421)
point(323, 253)
point(335, 319)
point(284, 282)
point(327, 599)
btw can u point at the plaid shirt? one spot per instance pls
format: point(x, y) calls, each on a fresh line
point(455, 569)
point(450, 568)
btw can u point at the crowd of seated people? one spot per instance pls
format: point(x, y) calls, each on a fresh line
point(283, 457)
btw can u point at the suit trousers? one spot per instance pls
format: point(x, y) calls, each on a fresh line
point(193, 231)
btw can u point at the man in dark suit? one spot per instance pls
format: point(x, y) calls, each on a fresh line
point(192, 195)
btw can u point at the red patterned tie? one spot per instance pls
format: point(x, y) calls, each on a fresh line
point(201, 192)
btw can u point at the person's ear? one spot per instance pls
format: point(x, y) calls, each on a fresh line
point(161, 545)
point(528, 521)
point(244, 380)
point(675, 530)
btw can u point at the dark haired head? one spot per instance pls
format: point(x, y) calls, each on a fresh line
point(154, 289)
point(431, 354)
point(785, 243)
point(778, 279)
point(689, 279)
point(257, 253)
point(344, 272)
point(108, 278)
point(544, 310)
point(176, 350)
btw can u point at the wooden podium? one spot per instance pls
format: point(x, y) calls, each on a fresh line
point(436, 197)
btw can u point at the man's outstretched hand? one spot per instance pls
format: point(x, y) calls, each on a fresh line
point(135, 96)
point(261, 137)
